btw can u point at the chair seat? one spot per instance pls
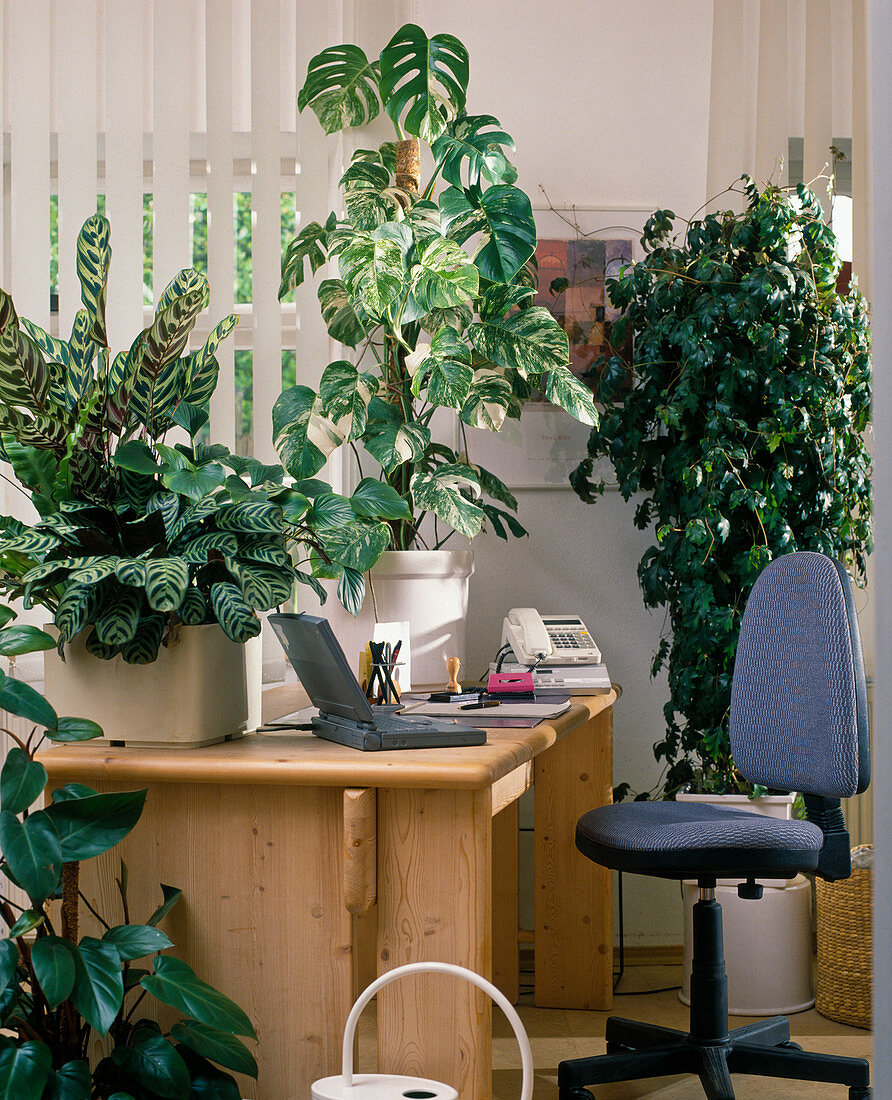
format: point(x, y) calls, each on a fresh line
point(690, 840)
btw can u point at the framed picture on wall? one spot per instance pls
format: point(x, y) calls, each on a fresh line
point(579, 250)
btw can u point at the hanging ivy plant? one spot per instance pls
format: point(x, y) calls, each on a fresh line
point(741, 437)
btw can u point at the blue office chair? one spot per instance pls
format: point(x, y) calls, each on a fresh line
point(798, 723)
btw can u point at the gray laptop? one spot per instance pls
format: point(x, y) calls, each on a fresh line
point(344, 712)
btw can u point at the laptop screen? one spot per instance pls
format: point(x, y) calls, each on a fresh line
point(320, 664)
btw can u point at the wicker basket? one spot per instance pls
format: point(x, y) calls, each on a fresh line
point(845, 948)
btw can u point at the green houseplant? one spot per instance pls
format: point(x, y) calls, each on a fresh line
point(58, 989)
point(434, 288)
point(137, 537)
point(741, 437)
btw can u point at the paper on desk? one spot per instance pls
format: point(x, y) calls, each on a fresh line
point(550, 709)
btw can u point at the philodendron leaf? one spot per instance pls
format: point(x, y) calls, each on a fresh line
point(530, 342)
point(93, 259)
point(309, 244)
point(342, 317)
point(33, 852)
point(373, 270)
point(98, 983)
point(154, 1063)
point(9, 960)
point(54, 967)
point(375, 499)
point(24, 1070)
point(216, 1045)
point(563, 388)
point(444, 276)
point(341, 88)
point(89, 826)
point(344, 393)
point(134, 941)
point(392, 441)
point(425, 78)
point(369, 195)
point(358, 547)
point(171, 896)
point(166, 582)
point(441, 491)
point(474, 142)
point(21, 699)
point(233, 612)
point(504, 216)
point(71, 1082)
point(293, 436)
point(21, 781)
point(75, 729)
point(176, 984)
point(488, 400)
point(15, 640)
point(446, 371)
point(207, 1082)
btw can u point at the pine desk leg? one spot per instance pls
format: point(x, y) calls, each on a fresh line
point(262, 915)
point(435, 904)
point(505, 921)
point(573, 897)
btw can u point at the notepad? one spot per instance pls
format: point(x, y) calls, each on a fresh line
point(538, 710)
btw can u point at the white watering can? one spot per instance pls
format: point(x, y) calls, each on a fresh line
point(388, 1086)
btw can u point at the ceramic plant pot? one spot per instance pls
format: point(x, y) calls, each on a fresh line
point(776, 930)
point(194, 694)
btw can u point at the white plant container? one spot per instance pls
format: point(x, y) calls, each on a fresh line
point(428, 589)
point(775, 930)
point(194, 694)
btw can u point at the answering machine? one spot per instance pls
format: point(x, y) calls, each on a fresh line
point(344, 712)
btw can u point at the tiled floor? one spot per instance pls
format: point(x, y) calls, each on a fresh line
point(556, 1034)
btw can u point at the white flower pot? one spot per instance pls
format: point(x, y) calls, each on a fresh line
point(194, 694)
point(428, 589)
point(776, 930)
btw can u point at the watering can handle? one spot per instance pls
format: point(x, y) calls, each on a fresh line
point(526, 1055)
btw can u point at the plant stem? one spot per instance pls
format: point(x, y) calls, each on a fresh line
point(70, 891)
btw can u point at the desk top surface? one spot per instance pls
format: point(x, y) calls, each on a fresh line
point(301, 759)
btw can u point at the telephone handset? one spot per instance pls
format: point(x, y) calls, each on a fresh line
point(548, 639)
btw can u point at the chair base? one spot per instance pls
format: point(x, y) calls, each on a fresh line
point(636, 1051)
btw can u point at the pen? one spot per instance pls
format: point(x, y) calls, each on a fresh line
point(483, 705)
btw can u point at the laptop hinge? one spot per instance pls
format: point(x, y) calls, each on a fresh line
point(339, 720)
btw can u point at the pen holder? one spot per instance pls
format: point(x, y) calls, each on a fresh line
point(387, 1086)
point(382, 674)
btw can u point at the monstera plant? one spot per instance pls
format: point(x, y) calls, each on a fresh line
point(433, 286)
point(738, 426)
point(135, 536)
point(59, 990)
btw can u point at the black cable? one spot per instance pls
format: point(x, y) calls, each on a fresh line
point(622, 953)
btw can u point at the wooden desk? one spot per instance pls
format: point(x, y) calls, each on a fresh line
point(254, 832)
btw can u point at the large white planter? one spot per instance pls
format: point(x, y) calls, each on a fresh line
point(428, 589)
point(194, 693)
point(774, 931)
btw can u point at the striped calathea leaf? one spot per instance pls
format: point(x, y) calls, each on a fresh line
point(93, 259)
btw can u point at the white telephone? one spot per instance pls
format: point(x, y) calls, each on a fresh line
point(548, 639)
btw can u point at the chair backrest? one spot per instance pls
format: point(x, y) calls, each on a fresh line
point(799, 697)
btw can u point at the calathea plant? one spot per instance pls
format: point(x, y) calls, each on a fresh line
point(741, 437)
point(434, 287)
point(59, 989)
point(136, 536)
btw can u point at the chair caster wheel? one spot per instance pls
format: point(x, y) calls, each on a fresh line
point(617, 1048)
point(575, 1094)
point(860, 1094)
point(789, 1045)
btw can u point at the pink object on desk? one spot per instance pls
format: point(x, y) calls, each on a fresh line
point(509, 683)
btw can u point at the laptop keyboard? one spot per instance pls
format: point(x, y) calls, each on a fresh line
point(393, 722)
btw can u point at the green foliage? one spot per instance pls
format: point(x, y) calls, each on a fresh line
point(136, 535)
point(742, 437)
point(407, 294)
point(59, 993)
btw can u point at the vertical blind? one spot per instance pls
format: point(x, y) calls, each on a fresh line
point(166, 114)
point(785, 69)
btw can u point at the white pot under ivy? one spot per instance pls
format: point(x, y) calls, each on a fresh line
point(776, 929)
